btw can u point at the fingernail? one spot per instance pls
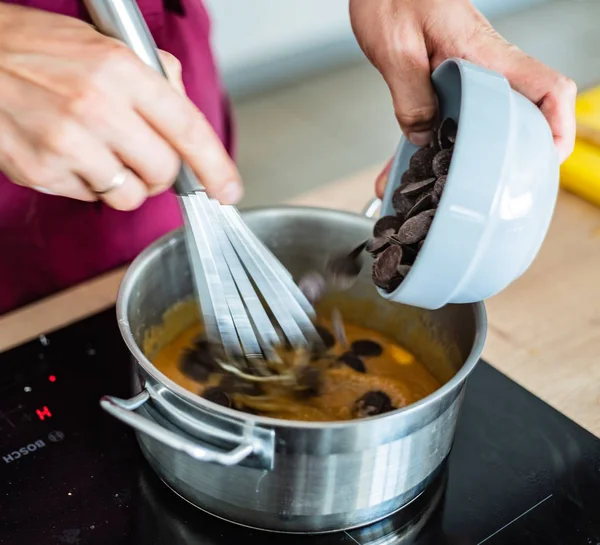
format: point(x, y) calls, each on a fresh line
point(231, 193)
point(43, 190)
point(420, 138)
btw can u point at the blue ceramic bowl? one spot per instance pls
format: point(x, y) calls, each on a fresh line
point(499, 196)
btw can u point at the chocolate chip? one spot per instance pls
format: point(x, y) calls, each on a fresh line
point(199, 361)
point(446, 136)
point(210, 351)
point(313, 286)
point(415, 229)
point(372, 404)
point(217, 395)
point(386, 223)
point(424, 203)
point(438, 187)
point(417, 188)
point(393, 239)
point(343, 269)
point(201, 342)
point(380, 283)
point(385, 266)
point(394, 283)
point(409, 253)
point(420, 162)
point(403, 270)
point(441, 162)
point(193, 367)
point(366, 348)
point(353, 361)
point(377, 244)
point(408, 178)
point(310, 381)
point(326, 336)
point(401, 203)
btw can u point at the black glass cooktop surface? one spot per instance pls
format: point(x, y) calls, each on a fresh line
point(519, 472)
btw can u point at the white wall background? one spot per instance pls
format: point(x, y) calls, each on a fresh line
point(250, 33)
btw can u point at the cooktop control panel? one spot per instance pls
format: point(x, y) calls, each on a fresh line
point(29, 421)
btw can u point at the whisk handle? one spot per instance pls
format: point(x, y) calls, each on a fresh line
point(123, 20)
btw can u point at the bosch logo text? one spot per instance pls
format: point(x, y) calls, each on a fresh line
point(23, 451)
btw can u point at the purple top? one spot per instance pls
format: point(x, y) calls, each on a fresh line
point(49, 243)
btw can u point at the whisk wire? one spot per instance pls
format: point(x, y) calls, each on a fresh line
point(226, 263)
point(252, 311)
point(204, 252)
point(291, 317)
point(266, 252)
point(234, 218)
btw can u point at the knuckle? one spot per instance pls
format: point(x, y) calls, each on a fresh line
point(55, 145)
point(566, 86)
point(171, 62)
point(169, 168)
point(84, 101)
point(117, 55)
point(193, 131)
point(406, 45)
point(569, 148)
point(164, 169)
point(59, 139)
point(42, 173)
point(411, 57)
point(416, 115)
point(114, 59)
point(398, 48)
point(55, 184)
point(8, 148)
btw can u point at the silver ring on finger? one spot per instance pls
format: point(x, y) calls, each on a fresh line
point(117, 181)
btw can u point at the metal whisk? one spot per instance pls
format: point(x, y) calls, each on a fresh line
point(247, 296)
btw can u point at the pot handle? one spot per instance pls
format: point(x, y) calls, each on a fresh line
point(124, 410)
point(372, 208)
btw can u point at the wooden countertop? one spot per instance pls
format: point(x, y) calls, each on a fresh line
point(544, 330)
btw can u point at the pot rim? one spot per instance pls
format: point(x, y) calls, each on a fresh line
point(128, 284)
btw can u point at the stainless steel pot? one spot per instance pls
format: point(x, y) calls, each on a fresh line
point(283, 475)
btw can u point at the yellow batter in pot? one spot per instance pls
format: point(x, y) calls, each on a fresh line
point(395, 371)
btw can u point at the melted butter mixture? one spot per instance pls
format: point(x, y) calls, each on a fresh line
point(395, 371)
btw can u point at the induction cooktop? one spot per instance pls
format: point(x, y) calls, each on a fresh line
point(519, 471)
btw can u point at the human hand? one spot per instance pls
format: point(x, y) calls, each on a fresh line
point(80, 113)
point(407, 39)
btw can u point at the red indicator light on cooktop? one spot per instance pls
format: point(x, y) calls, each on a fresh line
point(43, 413)
point(52, 378)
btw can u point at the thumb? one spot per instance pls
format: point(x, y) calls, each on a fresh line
point(173, 69)
point(408, 75)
